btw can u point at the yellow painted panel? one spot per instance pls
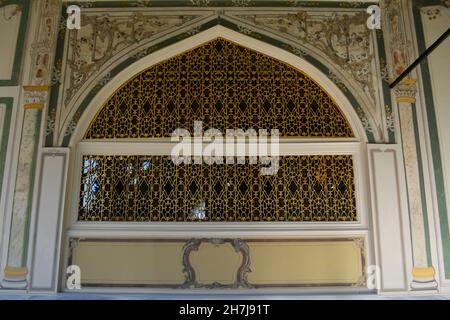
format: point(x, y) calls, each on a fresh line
point(216, 263)
point(305, 262)
point(130, 262)
point(274, 262)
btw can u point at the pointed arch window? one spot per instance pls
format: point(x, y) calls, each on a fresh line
point(126, 169)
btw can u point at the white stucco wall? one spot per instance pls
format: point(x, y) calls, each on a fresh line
point(435, 23)
point(9, 29)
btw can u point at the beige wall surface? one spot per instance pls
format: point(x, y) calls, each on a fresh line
point(439, 66)
point(9, 29)
point(273, 263)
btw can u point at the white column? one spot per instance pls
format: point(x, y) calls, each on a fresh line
point(423, 272)
point(390, 217)
point(46, 238)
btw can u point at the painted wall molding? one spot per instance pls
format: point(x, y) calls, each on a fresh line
point(422, 13)
point(17, 9)
point(32, 100)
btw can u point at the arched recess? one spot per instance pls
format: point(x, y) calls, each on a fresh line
point(356, 144)
point(361, 121)
point(353, 145)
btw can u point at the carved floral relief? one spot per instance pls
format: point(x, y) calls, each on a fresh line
point(343, 37)
point(103, 36)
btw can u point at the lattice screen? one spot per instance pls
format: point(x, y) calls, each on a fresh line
point(226, 86)
point(153, 188)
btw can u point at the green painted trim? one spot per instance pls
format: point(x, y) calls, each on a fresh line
point(8, 102)
point(422, 185)
point(26, 234)
point(17, 66)
point(385, 86)
point(54, 88)
point(424, 3)
point(30, 185)
point(434, 140)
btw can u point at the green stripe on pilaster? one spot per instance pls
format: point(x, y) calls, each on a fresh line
point(26, 235)
point(406, 178)
point(434, 141)
point(23, 191)
point(17, 65)
point(385, 86)
point(422, 185)
point(8, 105)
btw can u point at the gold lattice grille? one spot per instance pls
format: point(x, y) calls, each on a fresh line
point(226, 86)
point(153, 188)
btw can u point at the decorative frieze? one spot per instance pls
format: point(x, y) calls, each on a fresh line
point(41, 49)
point(342, 36)
point(406, 91)
point(104, 35)
point(35, 97)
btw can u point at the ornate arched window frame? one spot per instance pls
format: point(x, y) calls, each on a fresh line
point(356, 147)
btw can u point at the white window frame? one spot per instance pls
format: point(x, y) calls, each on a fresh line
point(295, 147)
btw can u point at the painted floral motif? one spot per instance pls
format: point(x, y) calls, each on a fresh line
point(337, 80)
point(385, 71)
point(201, 3)
point(44, 44)
point(143, 3)
point(193, 31)
point(72, 125)
point(297, 50)
point(433, 13)
point(345, 39)
point(103, 36)
point(399, 46)
point(245, 30)
point(241, 3)
point(390, 120)
point(364, 121)
point(56, 74)
point(51, 120)
point(352, 4)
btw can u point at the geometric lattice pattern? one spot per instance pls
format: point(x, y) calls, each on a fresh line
point(226, 86)
point(153, 188)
